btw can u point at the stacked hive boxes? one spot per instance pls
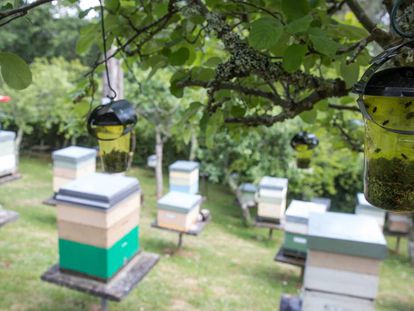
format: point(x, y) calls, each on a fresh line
point(248, 194)
point(178, 211)
point(71, 163)
point(365, 208)
point(152, 161)
point(272, 198)
point(296, 226)
point(98, 224)
point(184, 176)
point(8, 163)
point(343, 262)
point(399, 223)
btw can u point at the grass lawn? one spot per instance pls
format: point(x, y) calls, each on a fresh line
point(228, 267)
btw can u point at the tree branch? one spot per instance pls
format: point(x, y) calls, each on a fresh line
point(343, 107)
point(380, 36)
point(21, 11)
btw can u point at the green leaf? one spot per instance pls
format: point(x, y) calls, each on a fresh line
point(350, 73)
point(324, 45)
point(202, 73)
point(112, 5)
point(192, 110)
point(87, 37)
point(309, 116)
point(213, 62)
point(213, 125)
point(81, 108)
point(299, 25)
point(295, 9)
point(179, 57)
point(15, 71)
point(265, 33)
point(293, 57)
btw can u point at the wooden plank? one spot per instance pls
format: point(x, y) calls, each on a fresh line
point(290, 303)
point(341, 282)
point(282, 257)
point(197, 229)
point(9, 178)
point(7, 216)
point(119, 287)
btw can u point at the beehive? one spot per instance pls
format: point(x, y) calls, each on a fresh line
point(178, 211)
point(363, 207)
point(344, 255)
point(71, 163)
point(399, 223)
point(272, 198)
point(184, 176)
point(296, 226)
point(8, 161)
point(248, 193)
point(98, 224)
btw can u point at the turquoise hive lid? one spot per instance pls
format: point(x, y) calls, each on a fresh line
point(274, 183)
point(74, 154)
point(179, 202)
point(349, 234)
point(98, 190)
point(184, 166)
point(299, 211)
point(7, 136)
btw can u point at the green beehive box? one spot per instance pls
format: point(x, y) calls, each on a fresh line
point(98, 262)
point(295, 243)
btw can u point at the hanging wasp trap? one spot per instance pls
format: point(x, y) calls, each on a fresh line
point(112, 125)
point(386, 100)
point(304, 144)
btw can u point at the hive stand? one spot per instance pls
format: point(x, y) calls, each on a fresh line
point(198, 228)
point(290, 303)
point(7, 216)
point(116, 289)
point(50, 201)
point(398, 236)
point(263, 223)
point(291, 260)
point(11, 177)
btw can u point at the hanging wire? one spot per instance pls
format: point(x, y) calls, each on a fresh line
point(394, 21)
point(105, 56)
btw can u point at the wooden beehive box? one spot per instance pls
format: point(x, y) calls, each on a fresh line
point(363, 207)
point(296, 225)
point(152, 161)
point(272, 198)
point(178, 211)
point(344, 254)
point(320, 301)
point(98, 217)
point(248, 193)
point(184, 176)
point(399, 223)
point(8, 161)
point(71, 163)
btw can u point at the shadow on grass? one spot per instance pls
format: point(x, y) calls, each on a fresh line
point(288, 278)
point(161, 246)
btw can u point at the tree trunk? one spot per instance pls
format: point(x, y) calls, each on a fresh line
point(73, 140)
point(159, 144)
point(18, 142)
point(116, 77)
point(194, 145)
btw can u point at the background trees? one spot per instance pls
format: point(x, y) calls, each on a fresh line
point(236, 70)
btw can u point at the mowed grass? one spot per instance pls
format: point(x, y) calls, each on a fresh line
point(228, 267)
